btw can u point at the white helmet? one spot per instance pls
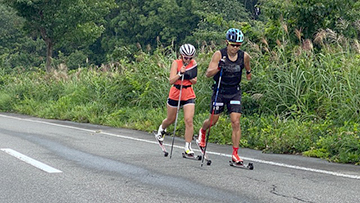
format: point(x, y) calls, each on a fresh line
point(187, 50)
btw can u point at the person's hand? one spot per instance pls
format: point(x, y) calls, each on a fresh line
point(221, 63)
point(248, 75)
point(182, 69)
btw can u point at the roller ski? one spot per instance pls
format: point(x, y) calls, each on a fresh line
point(202, 149)
point(189, 153)
point(160, 139)
point(191, 156)
point(239, 163)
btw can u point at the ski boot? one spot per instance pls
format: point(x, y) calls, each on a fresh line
point(237, 162)
point(159, 136)
point(236, 159)
point(201, 143)
point(189, 153)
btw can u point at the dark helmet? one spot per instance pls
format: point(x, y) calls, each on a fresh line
point(234, 35)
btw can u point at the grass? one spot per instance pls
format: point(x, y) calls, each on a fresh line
point(305, 103)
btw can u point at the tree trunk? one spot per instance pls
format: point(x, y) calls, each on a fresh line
point(49, 48)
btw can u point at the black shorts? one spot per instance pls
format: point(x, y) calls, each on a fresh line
point(174, 103)
point(231, 101)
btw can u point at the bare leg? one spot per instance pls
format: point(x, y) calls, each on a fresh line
point(236, 130)
point(189, 111)
point(171, 116)
point(206, 123)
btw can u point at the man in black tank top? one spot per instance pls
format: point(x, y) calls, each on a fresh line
point(231, 61)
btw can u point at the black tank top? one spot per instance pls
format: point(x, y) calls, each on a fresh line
point(231, 76)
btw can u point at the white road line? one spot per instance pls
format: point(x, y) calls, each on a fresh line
point(209, 152)
point(305, 168)
point(31, 161)
point(292, 166)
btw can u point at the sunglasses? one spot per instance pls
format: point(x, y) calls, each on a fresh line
point(187, 58)
point(235, 45)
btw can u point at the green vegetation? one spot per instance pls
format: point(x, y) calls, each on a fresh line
point(304, 97)
point(303, 107)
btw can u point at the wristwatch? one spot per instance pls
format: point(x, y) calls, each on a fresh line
point(248, 72)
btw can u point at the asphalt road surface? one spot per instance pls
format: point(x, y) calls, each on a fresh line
point(60, 161)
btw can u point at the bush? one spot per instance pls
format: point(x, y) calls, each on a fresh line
point(304, 104)
point(338, 144)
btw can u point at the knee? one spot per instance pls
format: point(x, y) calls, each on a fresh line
point(189, 122)
point(213, 123)
point(235, 124)
point(170, 120)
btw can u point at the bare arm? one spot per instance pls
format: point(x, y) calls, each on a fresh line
point(174, 76)
point(247, 65)
point(213, 65)
point(194, 80)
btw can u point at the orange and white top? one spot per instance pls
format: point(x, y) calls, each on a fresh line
point(187, 91)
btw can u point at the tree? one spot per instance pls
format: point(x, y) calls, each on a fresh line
point(312, 15)
point(10, 28)
point(218, 16)
point(65, 23)
point(148, 23)
point(17, 49)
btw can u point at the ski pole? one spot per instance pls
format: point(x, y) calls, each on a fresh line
point(212, 116)
point(177, 113)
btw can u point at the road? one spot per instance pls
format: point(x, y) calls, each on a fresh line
point(53, 161)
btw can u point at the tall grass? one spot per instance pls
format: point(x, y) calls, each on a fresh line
point(299, 100)
point(309, 93)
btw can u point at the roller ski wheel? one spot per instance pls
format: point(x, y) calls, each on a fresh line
point(193, 157)
point(206, 158)
point(161, 144)
point(208, 162)
point(249, 166)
